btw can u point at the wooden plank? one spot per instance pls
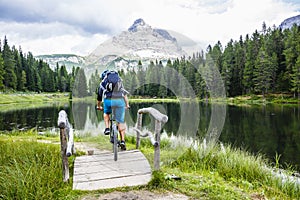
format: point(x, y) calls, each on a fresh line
point(113, 183)
point(102, 172)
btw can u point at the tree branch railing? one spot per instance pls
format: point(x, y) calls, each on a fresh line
point(155, 141)
point(66, 142)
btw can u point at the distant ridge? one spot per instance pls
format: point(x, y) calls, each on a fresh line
point(69, 60)
point(288, 23)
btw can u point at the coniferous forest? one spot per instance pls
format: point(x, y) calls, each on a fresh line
point(22, 72)
point(268, 61)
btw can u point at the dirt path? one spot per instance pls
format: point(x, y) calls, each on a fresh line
point(137, 195)
point(87, 146)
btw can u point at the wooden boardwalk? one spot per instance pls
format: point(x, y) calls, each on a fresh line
point(100, 171)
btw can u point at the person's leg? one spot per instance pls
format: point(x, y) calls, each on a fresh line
point(106, 112)
point(122, 130)
point(106, 120)
point(119, 111)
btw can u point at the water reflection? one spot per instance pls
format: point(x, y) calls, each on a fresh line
point(265, 129)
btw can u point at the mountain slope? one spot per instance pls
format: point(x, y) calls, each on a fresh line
point(69, 60)
point(139, 42)
point(288, 23)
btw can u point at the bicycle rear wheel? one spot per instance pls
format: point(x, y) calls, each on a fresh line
point(115, 144)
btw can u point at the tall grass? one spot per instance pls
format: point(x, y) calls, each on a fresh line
point(31, 170)
point(237, 166)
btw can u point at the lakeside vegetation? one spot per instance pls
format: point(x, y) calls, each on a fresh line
point(31, 97)
point(40, 98)
point(32, 170)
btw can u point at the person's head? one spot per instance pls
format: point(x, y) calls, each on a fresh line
point(103, 74)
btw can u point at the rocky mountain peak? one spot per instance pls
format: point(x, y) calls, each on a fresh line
point(137, 23)
point(139, 42)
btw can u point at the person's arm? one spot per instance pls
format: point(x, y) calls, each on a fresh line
point(126, 102)
point(99, 107)
point(99, 98)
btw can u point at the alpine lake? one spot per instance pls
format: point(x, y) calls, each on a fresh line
point(271, 130)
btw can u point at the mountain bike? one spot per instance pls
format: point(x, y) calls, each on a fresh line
point(113, 135)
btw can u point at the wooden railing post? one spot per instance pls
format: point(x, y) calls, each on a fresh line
point(157, 147)
point(66, 148)
point(139, 127)
point(159, 118)
point(63, 149)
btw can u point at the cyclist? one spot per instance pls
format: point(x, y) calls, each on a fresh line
point(113, 99)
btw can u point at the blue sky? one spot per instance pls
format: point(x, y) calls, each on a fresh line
point(79, 26)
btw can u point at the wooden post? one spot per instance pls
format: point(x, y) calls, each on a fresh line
point(159, 118)
point(157, 147)
point(70, 145)
point(62, 123)
point(139, 127)
point(65, 163)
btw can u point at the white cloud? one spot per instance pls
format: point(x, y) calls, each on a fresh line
point(78, 26)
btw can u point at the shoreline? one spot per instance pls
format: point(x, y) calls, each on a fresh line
point(21, 97)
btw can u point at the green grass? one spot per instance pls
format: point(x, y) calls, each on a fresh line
point(21, 97)
point(259, 99)
point(223, 173)
point(32, 170)
point(16, 101)
point(152, 100)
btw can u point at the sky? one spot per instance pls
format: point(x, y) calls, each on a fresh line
point(79, 26)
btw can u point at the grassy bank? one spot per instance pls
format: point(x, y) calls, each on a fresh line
point(8, 98)
point(32, 170)
point(15, 101)
point(267, 99)
point(239, 100)
point(16, 98)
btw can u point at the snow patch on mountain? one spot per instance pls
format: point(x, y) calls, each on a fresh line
point(69, 60)
point(288, 23)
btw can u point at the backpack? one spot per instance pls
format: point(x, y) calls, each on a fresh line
point(113, 82)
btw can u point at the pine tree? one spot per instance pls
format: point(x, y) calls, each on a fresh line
point(263, 72)
point(18, 67)
point(251, 48)
point(1, 72)
point(216, 54)
point(30, 72)
point(296, 78)
point(38, 81)
point(80, 85)
point(24, 68)
point(168, 72)
point(228, 66)
point(22, 81)
point(93, 82)
point(10, 78)
point(141, 78)
point(238, 68)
